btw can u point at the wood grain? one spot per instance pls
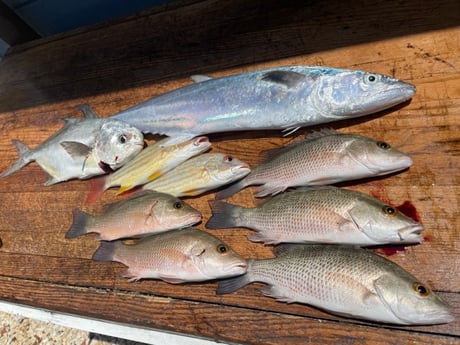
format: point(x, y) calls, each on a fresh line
point(115, 66)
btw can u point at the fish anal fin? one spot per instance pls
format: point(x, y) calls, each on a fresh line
point(289, 79)
point(198, 78)
point(275, 292)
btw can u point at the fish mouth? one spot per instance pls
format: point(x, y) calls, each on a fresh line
point(237, 268)
point(411, 233)
point(200, 141)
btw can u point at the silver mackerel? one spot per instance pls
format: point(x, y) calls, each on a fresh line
point(276, 98)
point(347, 281)
point(320, 214)
point(324, 157)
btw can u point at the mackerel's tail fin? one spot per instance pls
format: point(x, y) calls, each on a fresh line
point(25, 157)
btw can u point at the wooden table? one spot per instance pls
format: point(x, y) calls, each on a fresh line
point(116, 65)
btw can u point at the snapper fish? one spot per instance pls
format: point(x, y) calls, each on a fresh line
point(285, 98)
point(176, 256)
point(200, 174)
point(324, 157)
point(142, 214)
point(152, 162)
point(347, 281)
point(82, 148)
point(320, 214)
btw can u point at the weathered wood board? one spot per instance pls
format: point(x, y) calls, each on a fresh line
point(115, 66)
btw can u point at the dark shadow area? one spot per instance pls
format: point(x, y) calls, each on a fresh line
point(196, 37)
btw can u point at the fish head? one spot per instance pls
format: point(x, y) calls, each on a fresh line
point(224, 169)
point(351, 93)
point(117, 143)
point(377, 157)
point(215, 259)
point(384, 223)
point(173, 213)
point(410, 301)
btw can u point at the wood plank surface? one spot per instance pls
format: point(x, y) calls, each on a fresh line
point(115, 66)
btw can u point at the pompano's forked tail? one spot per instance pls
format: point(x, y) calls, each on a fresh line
point(25, 157)
point(231, 285)
point(96, 189)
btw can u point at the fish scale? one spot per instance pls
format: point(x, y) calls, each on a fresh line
point(344, 280)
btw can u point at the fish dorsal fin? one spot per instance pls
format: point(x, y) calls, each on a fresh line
point(289, 79)
point(87, 111)
point(76, 149)
point(198, 78)
point(271, 154)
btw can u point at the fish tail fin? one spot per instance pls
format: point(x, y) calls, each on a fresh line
point(224, 215)
point(78, 227)
point(96, 189)
point(232, 189)
point(25, 157)
point(231, 285)
point(123, 189)
point(106, 251)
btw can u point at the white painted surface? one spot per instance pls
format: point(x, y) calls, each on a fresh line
point(113, 329)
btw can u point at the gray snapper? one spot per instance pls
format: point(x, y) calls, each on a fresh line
point(347, 281)
point(82, 148)
point(324, 157)
point(320, 214)
point(284, 98)
point(175, 256)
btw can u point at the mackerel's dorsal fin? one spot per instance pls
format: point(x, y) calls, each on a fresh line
point(197, 78)
point(289, 79)
point(87, 111)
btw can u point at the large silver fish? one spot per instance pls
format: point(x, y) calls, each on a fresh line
point(347, 281)
point(324, 157)
point(276, 98)
point(321, 214)
point(176, 256)
point(81, 149)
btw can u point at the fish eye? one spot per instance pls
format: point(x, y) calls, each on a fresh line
point(228, 158)
point(177, 205)
point(222, 248)
point(420, 289)
point(383, 145)
point(390, 211)
point(122, 139)
point(370, 78)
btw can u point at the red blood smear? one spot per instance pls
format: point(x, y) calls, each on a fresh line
point(409, 210)
point(388, 251)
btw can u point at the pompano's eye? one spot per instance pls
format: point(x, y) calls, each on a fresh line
point(370, 78)
point(122, 139)
point(390, 211)
point(228, 158)
point(383, 145)
point(177, 205)
point(222, 248)
point(420, 289)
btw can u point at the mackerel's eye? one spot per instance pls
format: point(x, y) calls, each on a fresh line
point(421, 290)
point(383, 145)
point(122, 139)
point(222, 248)
point(228, 159)
point(177, 205)
point(389, 211)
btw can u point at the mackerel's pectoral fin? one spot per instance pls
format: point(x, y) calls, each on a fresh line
point(288, 79)
point(197, 78)
point(76, 149)
point(87, 111)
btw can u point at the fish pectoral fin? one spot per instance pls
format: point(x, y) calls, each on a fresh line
point(76, 149)
point(288, 79)
point(274, 292)
point(359, 290)
point(198, 78)
point(150, 215)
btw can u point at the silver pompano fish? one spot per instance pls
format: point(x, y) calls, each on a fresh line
point(347, 281)
point(324, 157)
point(276, 98)
point(200, 174)
point(81, 149)
point(176, 256)
point(143, 214)
point(322, 214)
